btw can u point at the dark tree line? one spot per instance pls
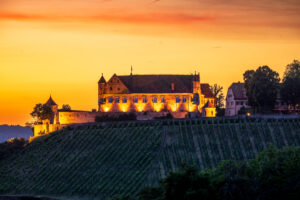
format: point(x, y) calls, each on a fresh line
point(273, 174)
point(263, 87)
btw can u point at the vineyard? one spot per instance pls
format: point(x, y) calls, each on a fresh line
point(98, 161)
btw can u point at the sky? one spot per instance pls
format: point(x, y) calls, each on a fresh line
point(61, 47)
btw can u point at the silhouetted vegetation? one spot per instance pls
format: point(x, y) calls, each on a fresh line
point(262, 88)
point(122, 117)
point(11, 146)
point(290, 89)
point(273, 174)
point(42, 112)
point(66, 107)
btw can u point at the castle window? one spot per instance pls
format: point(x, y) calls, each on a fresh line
point(110, 99)
point(154, 99)
point(184, 99)
point(135, 100)
point(144, 99)
point(162, 100)
point(177, 99)
point(124, 100)
point(117, 100)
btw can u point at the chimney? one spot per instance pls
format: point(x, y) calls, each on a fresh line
point(172, 86)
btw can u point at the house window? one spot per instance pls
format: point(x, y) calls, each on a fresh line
point(135, 100)
point(184, 99)
point(154, 99)
point(144, 99)
point(124, 100)
point(110, 99)
point(177, 99)
point(162, 100)
point(232, 103)
point(117, 100)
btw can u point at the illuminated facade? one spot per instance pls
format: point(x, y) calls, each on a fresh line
point(155, 93)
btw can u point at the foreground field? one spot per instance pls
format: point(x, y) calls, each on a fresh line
point(101, 160)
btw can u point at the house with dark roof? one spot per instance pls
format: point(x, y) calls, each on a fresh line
point(236, 99)
point(155, 93)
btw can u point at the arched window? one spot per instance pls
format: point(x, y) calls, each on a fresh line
point(110, 99)
point(144, 99)
point(162, 100)
point(177, 99)
point(117, 100)
point(184, 100)
point(124, 100)
point(136, 100)
point(154, 99)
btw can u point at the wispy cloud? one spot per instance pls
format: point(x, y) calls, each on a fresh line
point(132, 18)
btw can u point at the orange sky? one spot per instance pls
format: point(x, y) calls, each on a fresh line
point(61, 47)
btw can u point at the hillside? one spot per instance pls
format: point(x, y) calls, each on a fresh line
point(99, 161)
point(7, 132)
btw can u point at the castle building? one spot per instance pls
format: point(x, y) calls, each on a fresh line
point(155, 93)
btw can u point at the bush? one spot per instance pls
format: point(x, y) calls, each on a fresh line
point(11, 147)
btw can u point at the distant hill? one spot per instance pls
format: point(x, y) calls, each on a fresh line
point(98, 161)
point(7, 132)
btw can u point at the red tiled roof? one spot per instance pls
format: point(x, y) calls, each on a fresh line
point(238, 90)
point(206, 91)
point(50, 102)
point(158, 83)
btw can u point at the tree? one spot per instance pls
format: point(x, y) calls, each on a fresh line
point(290, 89)
point(262, 87)
point(217, 91)
point(66, 107)
point(42, 112)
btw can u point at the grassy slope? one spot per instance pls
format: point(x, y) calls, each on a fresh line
point(98, 161)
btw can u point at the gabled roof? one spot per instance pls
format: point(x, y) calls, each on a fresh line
point(50, 102)
point(158, 83)
point(208, 105)
point(205, 90)
point(238, 90)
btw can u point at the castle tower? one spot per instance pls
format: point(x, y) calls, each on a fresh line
point(101, 90)
point(54, 108)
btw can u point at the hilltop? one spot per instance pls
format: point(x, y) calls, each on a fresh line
point(97, 161)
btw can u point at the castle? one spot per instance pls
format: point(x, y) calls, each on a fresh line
point(148, 96)
point(155, 93)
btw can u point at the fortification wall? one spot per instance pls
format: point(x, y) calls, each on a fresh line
point(76, 117)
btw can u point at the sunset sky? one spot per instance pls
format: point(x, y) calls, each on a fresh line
point(61, 47)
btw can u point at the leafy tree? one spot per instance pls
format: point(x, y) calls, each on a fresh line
point(290, 90)
point(42, 112)
point(262, 86)
point(217, 91)
point(66, 107)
